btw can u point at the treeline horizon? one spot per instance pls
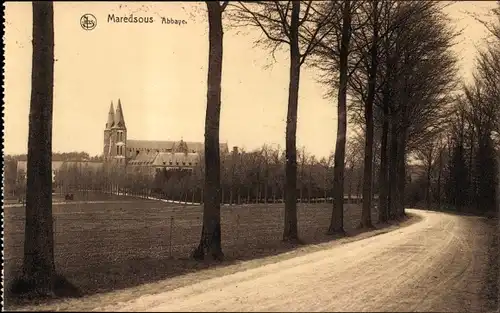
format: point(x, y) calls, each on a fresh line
point(58, 156)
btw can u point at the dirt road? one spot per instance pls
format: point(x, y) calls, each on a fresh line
point(437, 264)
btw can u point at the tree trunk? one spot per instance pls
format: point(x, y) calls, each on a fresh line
point(38, 264)
point(393, 177)
point(440, 171)
point(401, 180)
point(349, 192)
point(210, 242)
point(428, 181)
point(366, 221)
point(383, 209)
point(290, 232)
point(337, 221)
point(472, 191)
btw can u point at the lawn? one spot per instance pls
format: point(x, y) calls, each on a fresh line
point(107, 246)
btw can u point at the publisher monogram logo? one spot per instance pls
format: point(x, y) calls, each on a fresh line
point(88, 21)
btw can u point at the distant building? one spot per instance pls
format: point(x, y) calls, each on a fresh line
point(152, 155)
point(148, 155)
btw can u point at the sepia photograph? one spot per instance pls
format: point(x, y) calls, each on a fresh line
point(264, 156)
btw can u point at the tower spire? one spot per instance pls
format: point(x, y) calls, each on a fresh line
point(119, 120)
point(111, 116)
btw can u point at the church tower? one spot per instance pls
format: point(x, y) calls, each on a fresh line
point(107, 133)
point(119, 136)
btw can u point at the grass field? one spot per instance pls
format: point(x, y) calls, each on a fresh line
point(104, 247)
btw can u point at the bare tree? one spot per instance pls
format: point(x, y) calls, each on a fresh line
point(285, 23)
point(332, 55)
point(428, 78)
point(39, 272)
point(394, 95)
point(210, 242)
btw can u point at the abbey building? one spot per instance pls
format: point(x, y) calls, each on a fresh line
point(154, 155)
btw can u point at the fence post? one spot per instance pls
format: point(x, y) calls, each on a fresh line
point(171, 231)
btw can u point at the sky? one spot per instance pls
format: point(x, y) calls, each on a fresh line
point(159, 72)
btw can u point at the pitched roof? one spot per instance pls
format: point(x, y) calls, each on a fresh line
point(143, 158)
point(119, 120)
point(169, 146)
point(165, 159)
point(111, 117)
point(149, 144)
point(164, 146)
point(176, 159)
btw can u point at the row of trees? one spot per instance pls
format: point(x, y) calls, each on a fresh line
point(461, 166)
point(391, 60)
point(59, 156)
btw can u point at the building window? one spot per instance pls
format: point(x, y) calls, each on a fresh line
point(117, 150)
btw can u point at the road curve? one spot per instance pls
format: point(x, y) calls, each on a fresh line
point(437, 264)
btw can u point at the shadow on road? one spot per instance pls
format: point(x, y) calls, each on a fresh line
point(112, 276)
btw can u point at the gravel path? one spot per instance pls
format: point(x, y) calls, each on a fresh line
point(437, 264)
